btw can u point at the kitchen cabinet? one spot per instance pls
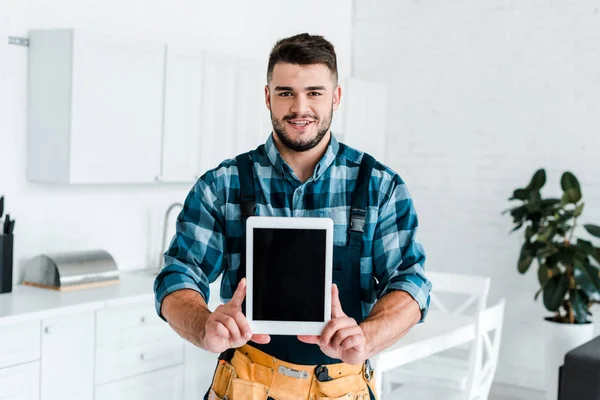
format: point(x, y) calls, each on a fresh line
point(183, 115)
point(219, 104)
point(95, 106)
point(133, 340)
point(158, 385)
point(19, 343)
point(365, 112)
point(253, 117)
point(67, 359)
point(21, 382)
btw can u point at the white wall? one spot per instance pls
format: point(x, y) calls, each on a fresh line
point(482, 93)
point(125, 220)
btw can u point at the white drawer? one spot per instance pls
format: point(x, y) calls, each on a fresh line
point(21, 382)
point(157, 385)
point(20, 343)
point(131, 325)
point(118, 362)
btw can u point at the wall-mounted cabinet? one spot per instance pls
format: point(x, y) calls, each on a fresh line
point(182, 134)
point(95, 108)
point(105, 110)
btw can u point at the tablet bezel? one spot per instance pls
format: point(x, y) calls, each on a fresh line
point(288, 327)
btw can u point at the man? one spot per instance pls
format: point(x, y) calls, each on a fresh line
point(380, 291)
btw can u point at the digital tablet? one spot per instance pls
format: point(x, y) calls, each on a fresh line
point(288, 271)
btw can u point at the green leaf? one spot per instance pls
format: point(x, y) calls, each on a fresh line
point(520, 194)
point(579, 210)
point(555, 292)
point(549, 202)
point(584, 277)
point(593, 230)
point(585, 247)
point(525, 258)
point(516, 228)
point(566, 254)
point(579, 304)
point(537, 294)
point(545, 273)
point(538, 180)
point(570, 187)
point(518, 213)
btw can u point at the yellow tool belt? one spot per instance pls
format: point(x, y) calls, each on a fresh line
point(252, 374)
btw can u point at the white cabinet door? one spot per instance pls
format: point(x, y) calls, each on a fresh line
point(183, 115)
point(21, 382)
point(67, 370)
point(159, 385)
point(365, 117)
point(116, 110)
point(218, 110)
point(19, 343)
point(253, 118)
point(95, 108)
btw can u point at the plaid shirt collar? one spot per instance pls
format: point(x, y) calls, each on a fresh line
point(282, 167)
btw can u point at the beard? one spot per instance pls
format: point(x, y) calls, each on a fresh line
point(301, 145)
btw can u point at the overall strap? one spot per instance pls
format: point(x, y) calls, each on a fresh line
point(247, 193)
point(359, 201)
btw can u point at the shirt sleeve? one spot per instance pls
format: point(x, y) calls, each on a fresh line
point(398, 259)
point(195, 257)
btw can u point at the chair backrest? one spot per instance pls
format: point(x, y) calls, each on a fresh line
point(482, 366)
point(475, 288)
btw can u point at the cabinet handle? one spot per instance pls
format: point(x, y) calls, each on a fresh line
point(142, 356)
point(143, 320)
point(47, 330)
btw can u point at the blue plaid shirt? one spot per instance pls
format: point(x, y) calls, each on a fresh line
point(391, 259)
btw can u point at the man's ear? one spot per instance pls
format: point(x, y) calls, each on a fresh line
point(337, 97)
point(267, 97)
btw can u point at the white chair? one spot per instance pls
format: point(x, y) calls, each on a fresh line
point(482, 366)
point(455, 294)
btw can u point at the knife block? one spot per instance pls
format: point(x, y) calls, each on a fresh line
point(6, 263)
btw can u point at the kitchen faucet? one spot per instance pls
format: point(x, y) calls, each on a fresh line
point(164, 236)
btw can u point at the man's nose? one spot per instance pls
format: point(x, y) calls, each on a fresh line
point(300, 104)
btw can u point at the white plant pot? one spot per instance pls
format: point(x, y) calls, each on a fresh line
point(560, 339)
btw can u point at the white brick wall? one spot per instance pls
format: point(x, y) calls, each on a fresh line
point(481, 94)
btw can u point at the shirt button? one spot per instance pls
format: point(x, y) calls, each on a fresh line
point(299, 192)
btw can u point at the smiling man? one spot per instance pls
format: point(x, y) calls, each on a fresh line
point(301, 171)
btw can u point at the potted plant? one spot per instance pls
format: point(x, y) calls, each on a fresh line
point(567, 266)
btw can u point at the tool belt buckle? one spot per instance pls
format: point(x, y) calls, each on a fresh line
point(368, 371)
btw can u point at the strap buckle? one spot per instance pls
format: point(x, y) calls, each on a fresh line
point(368, 371)
point(248, 206)
point(357, 220)
point(292, 373)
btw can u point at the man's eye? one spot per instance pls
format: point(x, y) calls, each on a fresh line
point(285, 94)
point(314, 93)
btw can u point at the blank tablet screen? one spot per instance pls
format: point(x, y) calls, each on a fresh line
point(289, 275)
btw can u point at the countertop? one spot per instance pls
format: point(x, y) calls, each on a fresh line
point(27, 303)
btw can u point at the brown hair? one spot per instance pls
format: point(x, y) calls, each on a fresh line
point(303, 49)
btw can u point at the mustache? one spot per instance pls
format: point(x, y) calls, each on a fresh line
point(295, 116)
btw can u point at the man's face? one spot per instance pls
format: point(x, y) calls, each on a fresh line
point(301, 99)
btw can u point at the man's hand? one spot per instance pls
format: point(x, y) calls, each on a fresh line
point(341, 338)
point(227, 327)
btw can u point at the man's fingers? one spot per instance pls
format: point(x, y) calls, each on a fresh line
point(333, 326)
point(217, 329)
point(238, 296)
point(242, 324)
point(229, 322)
point(336, 305)
point(352, 341)
point(310, 339)
point(343, 334)
point(261, 339)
